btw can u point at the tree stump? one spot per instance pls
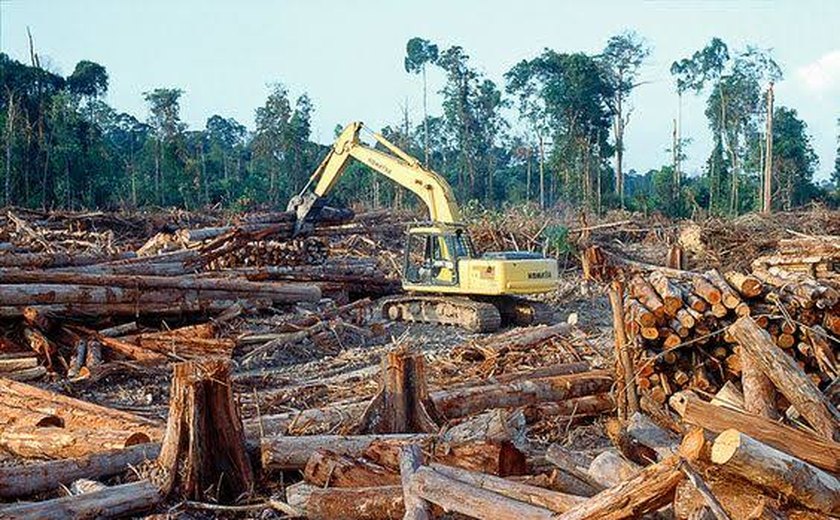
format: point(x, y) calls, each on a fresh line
point(402, 404)
point(203, 451)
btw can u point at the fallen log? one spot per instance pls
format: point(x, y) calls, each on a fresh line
point(289, 453)
point(21, 400)
point(775, 470)
point(820, 452)
point(329, 469)
point(60, 443)
point(455, 495)
point(111, 502)
point(788, 378)
point(460, 402)
point(168, 307)
point(32, 479)
point(411, 459)
point(648, 491)
point(367, 503)
point(536, 496)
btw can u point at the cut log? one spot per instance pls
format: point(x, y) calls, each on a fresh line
point(749, 286)
point(641, 290)
point(368, 503)
point(705, 289)
point(290, 453)
point(32, 479)
point(775, 470)
point(644, 431)
point(203, 451)
point(577, 481)
point(671, 294)
point(627, 400)
point(411, 459)
point(609, 468)
point(729, 298)
point(822, 453)
point(491, 457)
point(329, 469)
point(759, 393)
point(402, 404)
point(21, 401)
point(493, 425)
point(648, 491)
point(113, 502)
point(460, 402)
point(559, 369)
point(552, 500)
point(454, 495)
point(788, 378)
point(30, 441)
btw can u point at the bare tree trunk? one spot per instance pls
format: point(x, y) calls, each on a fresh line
point(768, 161)
point(618, 129)
point(425, 122)
point(10, 126)
point(528, 175)
point(542, 171)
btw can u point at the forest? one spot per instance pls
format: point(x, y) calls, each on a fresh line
point(551, 133)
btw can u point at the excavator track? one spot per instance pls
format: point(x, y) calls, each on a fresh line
point(472, 315)
point(522, 312)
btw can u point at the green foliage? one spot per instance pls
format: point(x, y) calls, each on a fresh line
point(419, 52)
point(65, 147)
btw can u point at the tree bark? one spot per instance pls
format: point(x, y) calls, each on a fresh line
point(32, 479)
point(113, 502)
point(329, 469)
point(411, 459)
point(203, 451)
point(759, 392)
point(648, 491)
point(536, 496)
point(368, 503)
point(775, 470)
point(455, 495)
point(783, 371)
point(820, 452)
point(402, 404)
point(461, 402)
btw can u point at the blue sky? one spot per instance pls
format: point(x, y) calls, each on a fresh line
point(348, 55)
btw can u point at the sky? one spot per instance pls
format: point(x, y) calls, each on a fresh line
point(348, 56)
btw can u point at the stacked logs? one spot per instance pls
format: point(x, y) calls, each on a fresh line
point(679, 320)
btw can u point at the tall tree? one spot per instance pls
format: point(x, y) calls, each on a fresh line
point(622, 58)
point(733, 106)
point(419, 53)
point(574, 93)
point(281, 142)
point(472, 113)
point(794, 160)
point(165, 119)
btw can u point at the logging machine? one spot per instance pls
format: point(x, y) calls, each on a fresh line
point(446, 281)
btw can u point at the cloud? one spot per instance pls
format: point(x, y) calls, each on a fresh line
point(822, 75)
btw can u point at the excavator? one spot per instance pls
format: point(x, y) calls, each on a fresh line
point(445, 280)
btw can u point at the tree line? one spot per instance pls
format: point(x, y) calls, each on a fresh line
point(552, 133)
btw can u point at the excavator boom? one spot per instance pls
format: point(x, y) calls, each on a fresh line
point(398, 166)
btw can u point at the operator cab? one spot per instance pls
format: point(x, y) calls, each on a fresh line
point(432, 255)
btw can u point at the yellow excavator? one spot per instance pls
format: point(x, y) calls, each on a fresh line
point(445, 280)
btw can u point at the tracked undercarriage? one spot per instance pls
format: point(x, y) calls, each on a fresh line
point(484, 314)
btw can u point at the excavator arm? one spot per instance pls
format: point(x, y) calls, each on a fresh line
point(398, 166)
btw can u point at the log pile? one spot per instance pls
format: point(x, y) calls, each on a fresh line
point(680, 321)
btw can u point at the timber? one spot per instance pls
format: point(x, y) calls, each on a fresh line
point(777, 471)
